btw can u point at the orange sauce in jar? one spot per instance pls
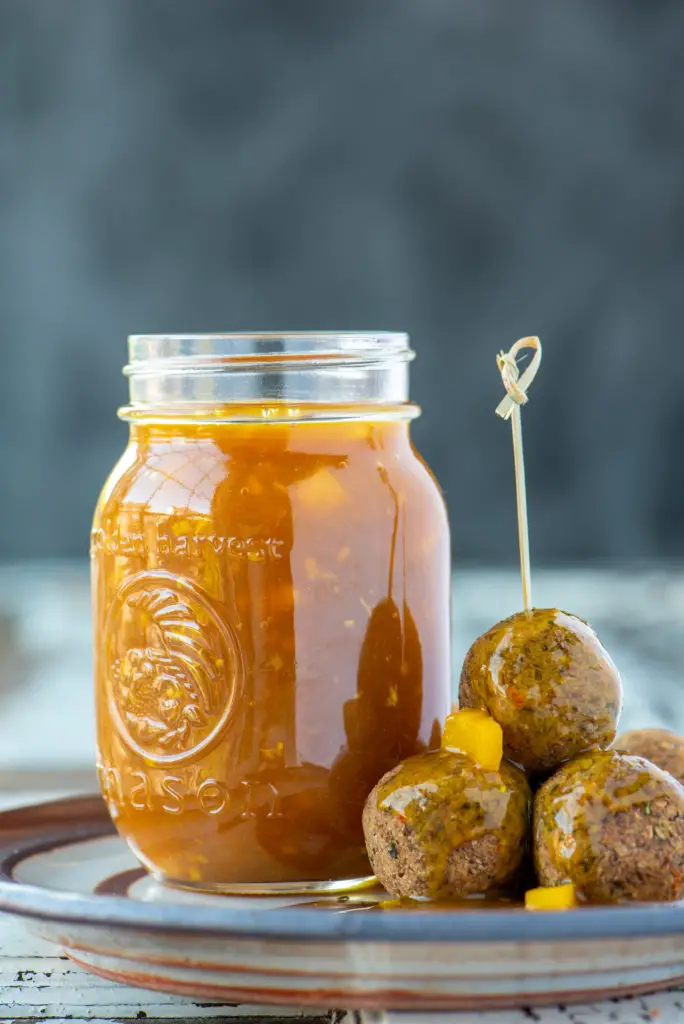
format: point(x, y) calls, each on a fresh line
point(271, 598)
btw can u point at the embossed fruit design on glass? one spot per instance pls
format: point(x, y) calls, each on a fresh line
point(270, 567)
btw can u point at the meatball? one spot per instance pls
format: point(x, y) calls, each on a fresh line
point(549, 683)
point(662, 747)
point(613, 825)
point(440, 826)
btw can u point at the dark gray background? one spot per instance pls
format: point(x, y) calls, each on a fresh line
point(467, 170)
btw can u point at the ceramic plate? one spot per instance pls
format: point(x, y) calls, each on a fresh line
point(74, 882)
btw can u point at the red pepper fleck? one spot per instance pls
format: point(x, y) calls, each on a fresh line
point(516, 697)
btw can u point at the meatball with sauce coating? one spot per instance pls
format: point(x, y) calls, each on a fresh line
point(550, 684)
point(442, 827)
point(613, 825)
point(664, 748)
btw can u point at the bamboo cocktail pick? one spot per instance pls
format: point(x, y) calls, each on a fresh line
point(509, 408)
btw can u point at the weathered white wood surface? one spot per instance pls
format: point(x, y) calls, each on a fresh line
point(663, 1009)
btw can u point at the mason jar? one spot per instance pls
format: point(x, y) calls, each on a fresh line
point(270, 577)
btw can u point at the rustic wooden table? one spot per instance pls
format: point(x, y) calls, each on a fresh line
point(46, 729)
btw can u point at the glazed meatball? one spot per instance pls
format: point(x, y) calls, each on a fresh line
point(439, 826)
point(549, 683)
point(665, 749)
point(613, 825)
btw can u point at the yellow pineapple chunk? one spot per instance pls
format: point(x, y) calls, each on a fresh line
point(551, 897)
point(475, 733)
point(322, 490)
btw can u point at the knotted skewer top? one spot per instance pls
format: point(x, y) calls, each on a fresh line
point(515, 384)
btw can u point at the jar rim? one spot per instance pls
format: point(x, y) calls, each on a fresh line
point(147, 351)
point(351, 368)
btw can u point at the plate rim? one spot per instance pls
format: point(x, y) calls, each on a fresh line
point(28, 836)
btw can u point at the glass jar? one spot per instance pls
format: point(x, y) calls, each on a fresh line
point(270, 572)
